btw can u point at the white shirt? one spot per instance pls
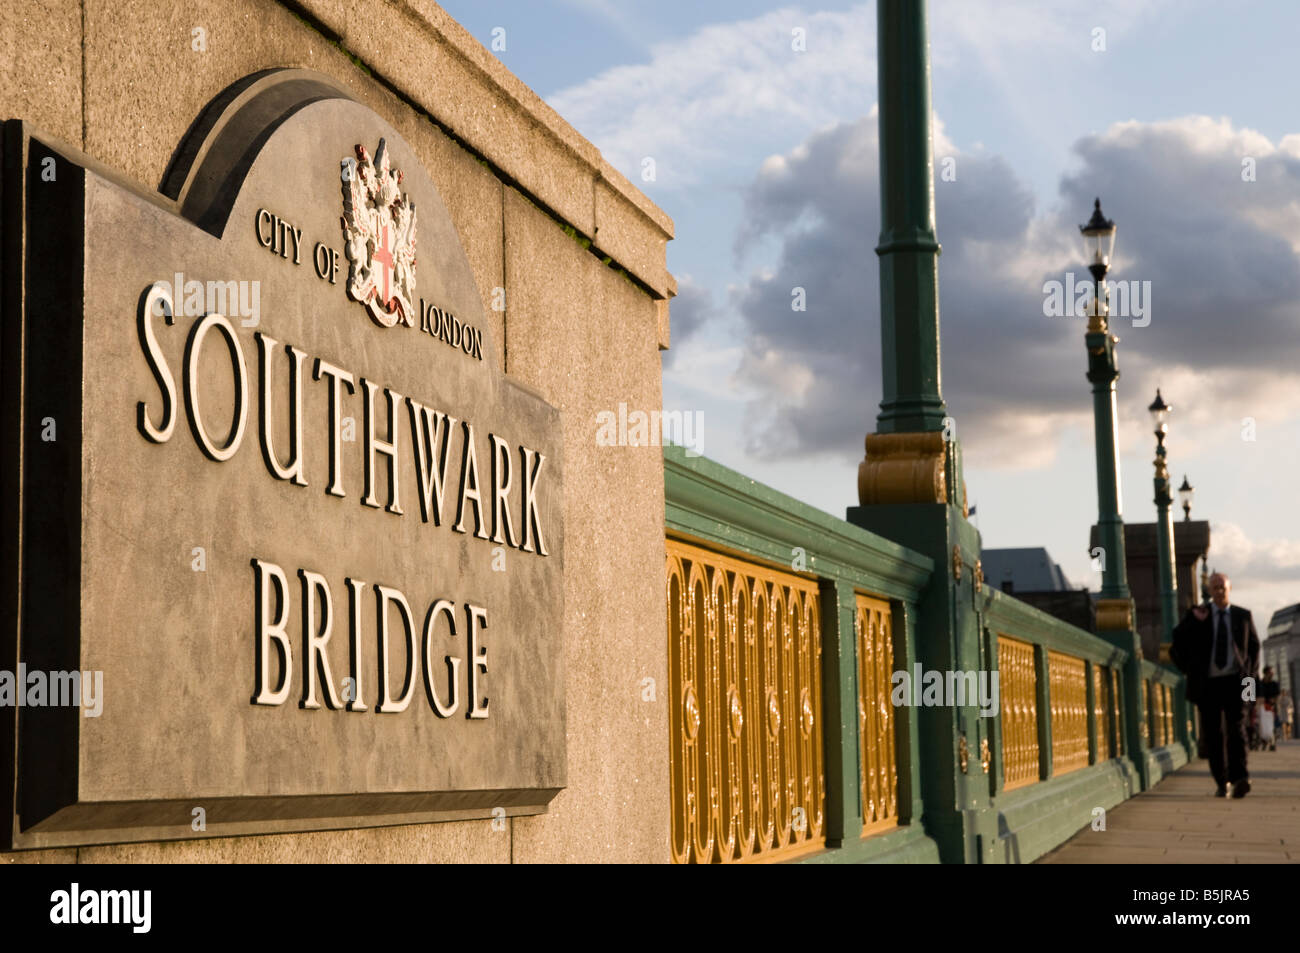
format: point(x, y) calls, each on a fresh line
point(1232, 666)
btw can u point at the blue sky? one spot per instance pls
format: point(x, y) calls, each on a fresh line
point(765, 159)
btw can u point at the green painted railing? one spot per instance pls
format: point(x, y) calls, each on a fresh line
point(1053, 747)
point(711, 506)
point(1168, 715)
point(1008, 617)
point(1082, 769)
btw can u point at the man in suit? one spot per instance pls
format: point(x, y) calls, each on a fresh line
point(1217, 647)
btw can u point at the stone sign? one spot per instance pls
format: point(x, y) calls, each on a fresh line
point(284, 548)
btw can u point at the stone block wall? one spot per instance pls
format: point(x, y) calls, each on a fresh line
point(124, 79)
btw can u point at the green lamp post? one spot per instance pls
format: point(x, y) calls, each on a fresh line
point(910, 487)
point(909, 246)
point(1167, 555)
point(1103, 371)
point(1115, 613)
point(1164, 526)
point(1185, 494)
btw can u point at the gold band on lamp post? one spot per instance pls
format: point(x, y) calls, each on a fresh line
point(1114, 615)
point(903, 468)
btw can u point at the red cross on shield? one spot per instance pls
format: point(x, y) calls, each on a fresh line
point(384, 257)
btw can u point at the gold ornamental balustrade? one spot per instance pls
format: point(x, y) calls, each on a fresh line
point(1166, 714)
point(1153, 713)
point(1150, 704)
point(1067, 688)
point(745, 672)
point(1118, 698)
point(1017, 683)
point(1162, 720)
point(1101, 708)
point(878, 762)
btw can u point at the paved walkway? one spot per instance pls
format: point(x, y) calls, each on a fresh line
point(1180, 822)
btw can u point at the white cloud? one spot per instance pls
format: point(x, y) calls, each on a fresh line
point(1265, 572)
point(1222, 342)
point(712, 99)
point(709, 99)
point(1244, 558)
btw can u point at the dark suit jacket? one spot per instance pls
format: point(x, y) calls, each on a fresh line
point(1194, 641)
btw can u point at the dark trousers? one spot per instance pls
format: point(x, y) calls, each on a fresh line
point(1224, 729)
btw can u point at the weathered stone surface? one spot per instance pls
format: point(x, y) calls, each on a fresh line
point(623, 233)
point(40, 65)
point(177, 641)
point(471, 842)
point(145, 80)
point(566, 314)
point(58, 855)
point(663, 320)
point(435, 62)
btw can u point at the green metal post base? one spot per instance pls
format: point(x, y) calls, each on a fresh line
point(958, 811)
point(1134, 708)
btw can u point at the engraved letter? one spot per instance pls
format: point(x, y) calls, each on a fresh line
point(387, 447)
point(468, 472)
point(338, 377)
point(532, 520)
point(384, 596)
point(355, 588)
point(431, 473)
point(501, 480)
point(193, 348)
point(477, 660)
point(315, 643)
point(267, 630)
point(263, 215)
point(453, 662)
point(266, 423)
point(156, 297)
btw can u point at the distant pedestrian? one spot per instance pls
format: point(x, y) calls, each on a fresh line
point(1269, 692)
point(1286, 711)
point(1216, 646)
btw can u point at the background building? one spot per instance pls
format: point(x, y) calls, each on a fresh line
point(1191, 544)
point(1281, 647)
point(1031, 575)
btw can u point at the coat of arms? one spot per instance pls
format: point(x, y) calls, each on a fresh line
point(379, 232)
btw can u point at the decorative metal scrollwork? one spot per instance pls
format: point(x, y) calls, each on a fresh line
point(1017, 686)
point(746, 741)
point(877, 761)
point(1068, 691)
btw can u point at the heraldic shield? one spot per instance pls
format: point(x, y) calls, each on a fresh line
point(379, 231)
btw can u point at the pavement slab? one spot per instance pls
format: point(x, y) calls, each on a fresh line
point(1179, 821)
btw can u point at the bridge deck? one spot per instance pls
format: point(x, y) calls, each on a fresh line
point(1180, 822)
